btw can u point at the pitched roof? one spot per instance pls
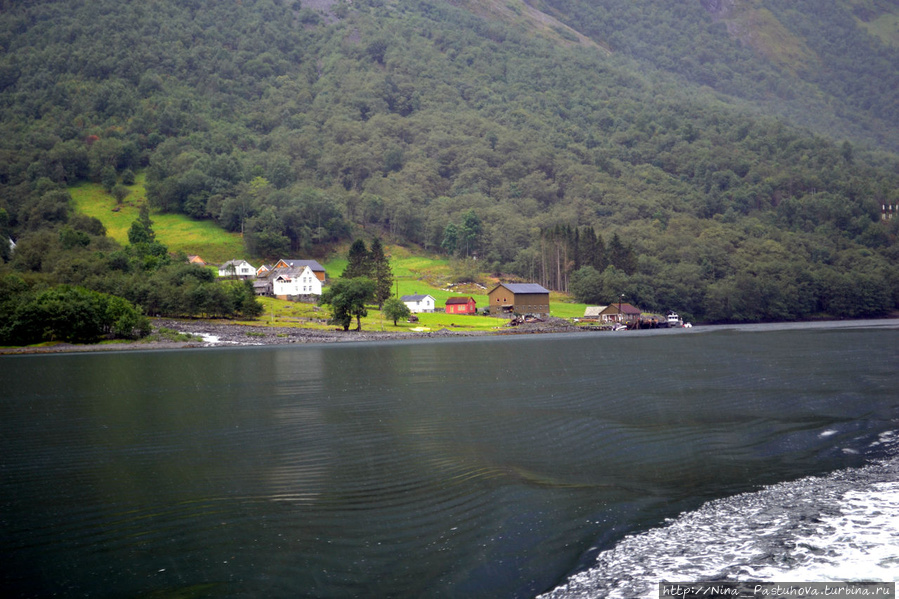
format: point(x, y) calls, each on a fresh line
point(458, 300)
point(414, 298)
point(523, 287)
point(625, 309)
point(594, 310)
point(312, 264)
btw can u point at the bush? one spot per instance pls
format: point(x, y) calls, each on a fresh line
point(74, 315)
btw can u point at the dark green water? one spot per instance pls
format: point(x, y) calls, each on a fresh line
point(477, 467)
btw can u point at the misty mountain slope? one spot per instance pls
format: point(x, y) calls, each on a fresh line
point(818, 64)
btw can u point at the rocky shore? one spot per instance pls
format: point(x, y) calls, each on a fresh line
point(208, 333)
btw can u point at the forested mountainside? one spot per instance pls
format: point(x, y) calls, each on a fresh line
point(830, 66)
point(730, 159)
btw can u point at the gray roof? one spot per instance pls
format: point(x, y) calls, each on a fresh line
point(414, 298)
point(235, 263)
point(524, 287)
point(312, 264)
point(594, 310)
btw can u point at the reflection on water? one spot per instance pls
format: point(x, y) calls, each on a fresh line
point(477, 467)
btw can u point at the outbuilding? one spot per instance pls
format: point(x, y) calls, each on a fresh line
point(623, 313)
point(518, 298)
point(461, 305)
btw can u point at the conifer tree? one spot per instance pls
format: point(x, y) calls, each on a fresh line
point(359, 261)
point(380, 272)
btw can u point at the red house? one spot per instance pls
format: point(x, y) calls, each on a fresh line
point(461, 305)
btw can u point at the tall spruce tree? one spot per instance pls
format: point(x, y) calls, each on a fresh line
point(359, 261)
point(380, 272)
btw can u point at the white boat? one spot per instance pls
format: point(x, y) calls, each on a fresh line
point(674, 320)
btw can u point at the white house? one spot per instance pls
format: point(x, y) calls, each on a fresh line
point(239, 268)
point(296, 281)
point(419, 303)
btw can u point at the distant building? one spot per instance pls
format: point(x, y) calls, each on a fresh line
point(196, 260)
point(419, 303)
point(623, 313)
point(461, 305)
point(317, 269)
point(292, 283)
point(594, 312)
point(237, 268)
point(518, 298)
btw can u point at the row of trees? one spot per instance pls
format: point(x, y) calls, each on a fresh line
point(564, 250)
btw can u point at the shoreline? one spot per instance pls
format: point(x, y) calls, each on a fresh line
point(222, 334)
point(227, 334)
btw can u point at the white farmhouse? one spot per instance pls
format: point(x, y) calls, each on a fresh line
point(419, 303)
point(237, 268)
point(287, 282)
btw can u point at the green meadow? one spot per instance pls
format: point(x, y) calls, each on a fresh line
point(180, 233)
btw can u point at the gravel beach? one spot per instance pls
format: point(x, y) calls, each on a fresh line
point(222, 334)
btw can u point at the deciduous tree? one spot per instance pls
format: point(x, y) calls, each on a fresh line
point(394, 309)
point(347, 298)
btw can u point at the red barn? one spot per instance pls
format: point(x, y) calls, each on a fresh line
point(461, 305)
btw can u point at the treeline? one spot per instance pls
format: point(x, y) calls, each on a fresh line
point(564, 250)
point(431, 126)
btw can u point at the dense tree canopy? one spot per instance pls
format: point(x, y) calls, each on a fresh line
point(644, 151)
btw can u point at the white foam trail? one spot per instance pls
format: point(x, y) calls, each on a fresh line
point(841, 527)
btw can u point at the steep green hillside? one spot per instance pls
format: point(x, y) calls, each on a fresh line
point(653, 142)
point(822, 65)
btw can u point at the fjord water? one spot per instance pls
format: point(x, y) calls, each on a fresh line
point(585, 465)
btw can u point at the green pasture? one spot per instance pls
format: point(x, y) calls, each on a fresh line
point(282, 313)
point(178, 232)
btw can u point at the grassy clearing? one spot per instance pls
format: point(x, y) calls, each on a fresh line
point(282, 313)
point(180, 233)
point(886, 27)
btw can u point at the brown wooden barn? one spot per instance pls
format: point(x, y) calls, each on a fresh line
point(518, 298)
